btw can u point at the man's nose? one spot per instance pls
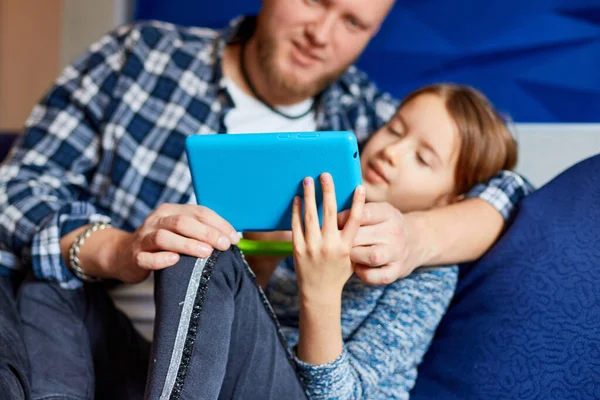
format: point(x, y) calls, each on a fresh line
point(321, 29)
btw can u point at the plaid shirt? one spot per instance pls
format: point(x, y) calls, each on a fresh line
point(107, 142)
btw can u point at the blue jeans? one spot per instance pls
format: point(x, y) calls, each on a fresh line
point(80, 345)
point(215, 337)
point(14, 364)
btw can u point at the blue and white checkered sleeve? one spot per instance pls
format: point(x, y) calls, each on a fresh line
point(46, 175)
point(504, 192)
point(377, 107)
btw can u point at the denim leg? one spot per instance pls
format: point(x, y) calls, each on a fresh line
point(14, 364)
point(80, 346)
point(215, 335)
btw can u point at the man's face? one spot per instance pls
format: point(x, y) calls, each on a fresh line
point(304, 45)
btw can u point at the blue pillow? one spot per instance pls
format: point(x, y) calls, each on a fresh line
point(525, 321)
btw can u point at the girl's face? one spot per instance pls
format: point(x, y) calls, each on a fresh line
point(411, 161)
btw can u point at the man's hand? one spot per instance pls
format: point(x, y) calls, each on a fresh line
point(398, 244)
point(170, 230)
point(387, 246)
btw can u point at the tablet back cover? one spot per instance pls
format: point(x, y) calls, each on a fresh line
point(251, 179)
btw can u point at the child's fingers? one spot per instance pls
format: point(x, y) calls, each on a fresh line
point(297, 231)
point(311, 216)
point(353, 223)
point(329, 204)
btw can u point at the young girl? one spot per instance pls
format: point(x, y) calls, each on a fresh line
point(343, 338)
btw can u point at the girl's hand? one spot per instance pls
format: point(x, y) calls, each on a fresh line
point(322, 255)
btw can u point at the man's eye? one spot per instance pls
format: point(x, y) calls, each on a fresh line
point(353, 23)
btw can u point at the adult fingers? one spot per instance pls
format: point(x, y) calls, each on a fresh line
point(376, 276)
point(202, 214)
point(372, 256)
point(157, 260)
point(213, 219)
point(373, 214)
point(165, 240)
point(368, 235)
point(186, 226)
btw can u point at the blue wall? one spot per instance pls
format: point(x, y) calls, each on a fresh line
point(538, 60)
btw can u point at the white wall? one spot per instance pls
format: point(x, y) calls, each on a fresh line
point(545, 150)
point(30, 39)
point(85, 21)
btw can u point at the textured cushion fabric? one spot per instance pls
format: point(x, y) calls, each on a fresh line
point(525, 321)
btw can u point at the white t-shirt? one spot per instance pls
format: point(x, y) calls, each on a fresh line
point(248, 116)
point(252, 116)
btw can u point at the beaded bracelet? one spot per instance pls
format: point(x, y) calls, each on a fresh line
point(74, 263)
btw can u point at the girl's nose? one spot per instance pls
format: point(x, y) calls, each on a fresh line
point(393, 152)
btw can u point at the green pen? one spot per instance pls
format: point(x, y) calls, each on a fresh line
point(265, 248)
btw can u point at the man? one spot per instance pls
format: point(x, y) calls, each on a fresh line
point(106, 145)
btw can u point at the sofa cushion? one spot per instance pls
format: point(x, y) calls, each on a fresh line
point(525, 321)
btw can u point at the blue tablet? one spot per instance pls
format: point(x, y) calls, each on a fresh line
point(251, 179)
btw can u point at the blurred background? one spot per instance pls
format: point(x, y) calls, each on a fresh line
point(538, 60)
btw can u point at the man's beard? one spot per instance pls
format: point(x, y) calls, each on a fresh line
point(288, 86)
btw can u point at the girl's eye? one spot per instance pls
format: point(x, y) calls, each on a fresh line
point(396, 132)
point(421, 160)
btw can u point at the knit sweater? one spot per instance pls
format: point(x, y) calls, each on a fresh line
point(386, 331)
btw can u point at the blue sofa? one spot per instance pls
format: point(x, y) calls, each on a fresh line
point(525, 320)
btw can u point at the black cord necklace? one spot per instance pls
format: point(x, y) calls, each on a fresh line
point(259, 97)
